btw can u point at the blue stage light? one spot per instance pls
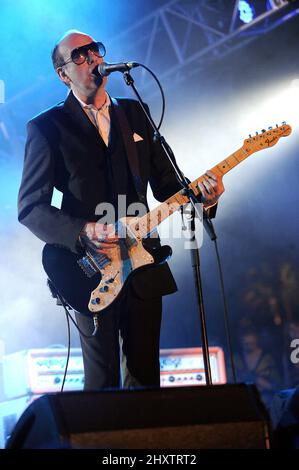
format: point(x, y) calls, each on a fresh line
point(246, 11)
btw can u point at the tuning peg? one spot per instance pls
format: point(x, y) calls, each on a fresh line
point(250, 136)
point(276, 125)
point(283, 123)
point(270, 128)
point(256, 133)
point(263, 130)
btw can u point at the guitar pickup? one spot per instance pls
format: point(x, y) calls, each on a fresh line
point(92, 265)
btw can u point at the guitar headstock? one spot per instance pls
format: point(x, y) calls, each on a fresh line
point(266, 138)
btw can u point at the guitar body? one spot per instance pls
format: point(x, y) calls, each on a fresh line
point(91, 285)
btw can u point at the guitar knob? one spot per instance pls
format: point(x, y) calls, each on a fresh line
point(104, 289)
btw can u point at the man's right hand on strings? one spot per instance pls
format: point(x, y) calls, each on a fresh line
point(98, 236)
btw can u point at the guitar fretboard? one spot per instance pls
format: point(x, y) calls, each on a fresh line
point(149, 222)
point(143, 226)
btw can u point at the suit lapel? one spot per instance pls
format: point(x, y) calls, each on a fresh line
point(73, 108)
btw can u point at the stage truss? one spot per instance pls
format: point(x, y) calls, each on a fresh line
point(176, 40)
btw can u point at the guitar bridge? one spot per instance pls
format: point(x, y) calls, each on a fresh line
point(92, 265)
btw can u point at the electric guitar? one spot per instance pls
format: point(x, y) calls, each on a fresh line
point(92, 283)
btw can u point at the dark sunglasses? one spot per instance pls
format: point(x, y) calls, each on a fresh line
point(80, 54)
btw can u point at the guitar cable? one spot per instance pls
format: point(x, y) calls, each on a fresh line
point(68, 352)
point(61, 301)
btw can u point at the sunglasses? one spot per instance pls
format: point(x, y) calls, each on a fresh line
point(81, 54)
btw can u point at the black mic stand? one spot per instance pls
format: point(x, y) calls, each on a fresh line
point(187, 191)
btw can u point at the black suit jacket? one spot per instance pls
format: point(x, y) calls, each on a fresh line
point(64, 150)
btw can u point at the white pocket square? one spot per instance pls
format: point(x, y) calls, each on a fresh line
point(137, 137)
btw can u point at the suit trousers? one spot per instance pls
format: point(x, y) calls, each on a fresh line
point(125, 350)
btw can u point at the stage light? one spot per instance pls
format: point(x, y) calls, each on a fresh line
point(246, 11)
point(279, 104)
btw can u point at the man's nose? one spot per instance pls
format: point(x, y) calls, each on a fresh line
point(90, 57)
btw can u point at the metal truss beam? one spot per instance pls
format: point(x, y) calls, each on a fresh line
point(176, 41)
point(189, 34)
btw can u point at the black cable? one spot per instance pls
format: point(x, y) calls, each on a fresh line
point(161, 90)
point(74, 321)
point(68, 318)
point(68, 352)
point(226, 315)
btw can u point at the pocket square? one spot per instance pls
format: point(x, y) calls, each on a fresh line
point(137, 137)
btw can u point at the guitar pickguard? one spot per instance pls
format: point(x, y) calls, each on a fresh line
point(125, 258)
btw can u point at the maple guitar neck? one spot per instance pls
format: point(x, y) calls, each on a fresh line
point(143, 226)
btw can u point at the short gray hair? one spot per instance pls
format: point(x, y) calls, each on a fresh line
point(57, 59)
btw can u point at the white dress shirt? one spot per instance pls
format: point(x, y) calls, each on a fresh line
point(99, 117)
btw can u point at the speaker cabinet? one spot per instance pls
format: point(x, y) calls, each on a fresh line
point(221, 416)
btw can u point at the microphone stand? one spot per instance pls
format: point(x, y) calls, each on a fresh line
point(187, 191)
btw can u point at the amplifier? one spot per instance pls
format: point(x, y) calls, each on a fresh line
point(38, 371)
point(181, 367)
point(30, 373)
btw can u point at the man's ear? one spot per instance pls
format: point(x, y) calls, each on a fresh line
point(63, 76)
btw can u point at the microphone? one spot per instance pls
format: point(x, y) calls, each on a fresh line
point(105, 68)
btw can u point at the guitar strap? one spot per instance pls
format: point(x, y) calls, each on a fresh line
point(131, 150)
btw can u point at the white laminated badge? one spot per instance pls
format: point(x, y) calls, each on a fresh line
point(56, 198)
point(2, 97)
